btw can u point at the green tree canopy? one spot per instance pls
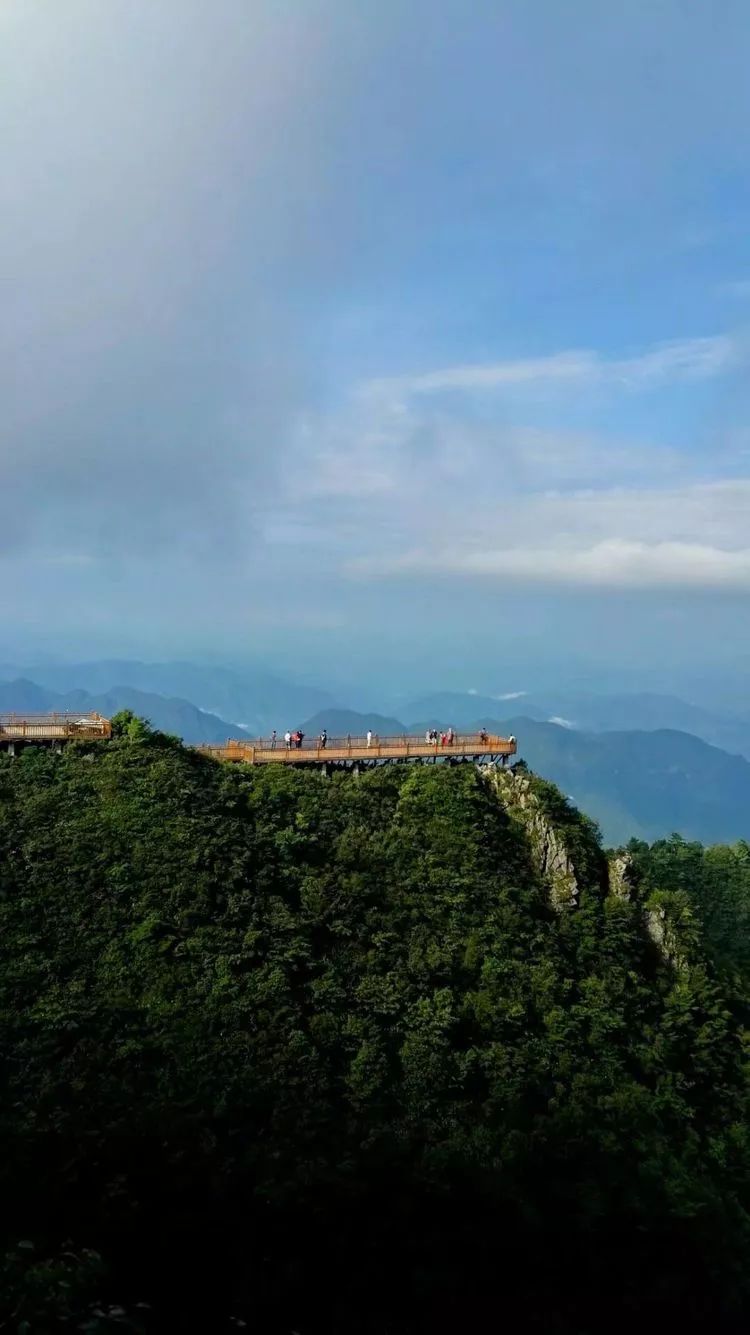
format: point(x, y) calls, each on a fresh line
point(322, 1054)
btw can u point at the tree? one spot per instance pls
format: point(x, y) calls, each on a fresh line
point(325, 1056)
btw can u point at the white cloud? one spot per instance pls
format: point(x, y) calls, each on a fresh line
point(399, 441)
point(690, 358)
point(682, 359)
point(400, 482)
point(616, 563)
point(560, 366)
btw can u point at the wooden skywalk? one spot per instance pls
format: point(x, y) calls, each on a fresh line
point(53, 727)
point(355, 750)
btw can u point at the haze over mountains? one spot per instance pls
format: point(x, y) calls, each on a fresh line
point(252, 699)
point(592, 712)
point(642, 764)
point(168, 713)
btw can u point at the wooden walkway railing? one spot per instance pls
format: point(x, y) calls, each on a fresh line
point(261, 751)
point(52, 727)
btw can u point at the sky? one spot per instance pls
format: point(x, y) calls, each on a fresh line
point(397, 341)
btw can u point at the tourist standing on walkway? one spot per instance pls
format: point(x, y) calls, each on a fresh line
point(287, 739)
point(369, 737)
point(273, 740)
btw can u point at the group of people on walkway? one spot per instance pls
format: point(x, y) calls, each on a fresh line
point(293, 740)
point(432, 737)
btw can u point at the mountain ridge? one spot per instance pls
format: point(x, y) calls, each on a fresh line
point(251, 699)
point(167, 713)
point(414, 1020)
point(642, 783)
point(636, 784)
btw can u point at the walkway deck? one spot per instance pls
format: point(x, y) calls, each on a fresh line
point(354, 750)
point(52, 727)
point(346, 751)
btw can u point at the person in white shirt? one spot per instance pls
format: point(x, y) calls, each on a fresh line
point(369, 737)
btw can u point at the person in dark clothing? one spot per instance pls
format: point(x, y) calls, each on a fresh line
point(323, 740)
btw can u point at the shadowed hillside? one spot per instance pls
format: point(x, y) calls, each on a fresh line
point(307, 1053)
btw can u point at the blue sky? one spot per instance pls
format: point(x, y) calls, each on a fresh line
point(397, 341)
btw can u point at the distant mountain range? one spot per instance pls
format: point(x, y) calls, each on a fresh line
point(251, 700)
point(589, 712)
point(636, 784)
point(641, 784)
point(167, 713)
point(642, 764)
point(340, 722)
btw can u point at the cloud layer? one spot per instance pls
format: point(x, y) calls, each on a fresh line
point(477, 489)
point(307, 310)
point(615, 564)
point(691, 358)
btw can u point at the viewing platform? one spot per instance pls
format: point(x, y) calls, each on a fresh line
point(351, 751)
point(51, 728)
point(18, 730)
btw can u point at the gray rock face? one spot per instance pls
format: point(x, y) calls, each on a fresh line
point(664, 935)
point(550, 854)
point(658, 920)
point(621, 877)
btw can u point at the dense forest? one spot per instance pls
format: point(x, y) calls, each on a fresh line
point(390, 1053)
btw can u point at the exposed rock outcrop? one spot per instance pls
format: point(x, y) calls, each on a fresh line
point(664, 932)
point(549, 851)
point(622, 882)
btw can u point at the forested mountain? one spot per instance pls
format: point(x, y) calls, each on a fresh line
point(643, 784)
point(380, 1054)
point(635, 784)
point(714, 881)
